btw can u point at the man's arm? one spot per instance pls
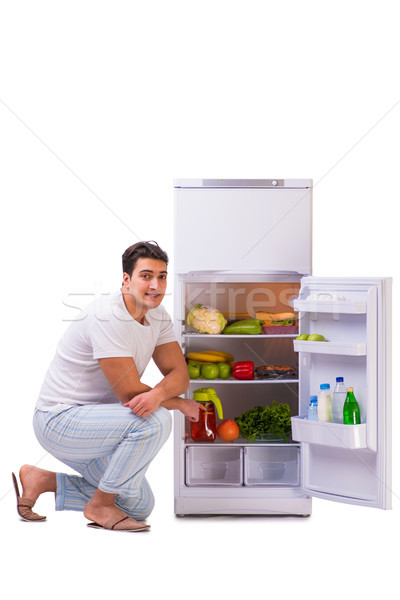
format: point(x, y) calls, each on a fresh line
point(171, 362)
point(140, 398)
point(123, 377)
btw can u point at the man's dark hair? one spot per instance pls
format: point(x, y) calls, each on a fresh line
point(141, 250)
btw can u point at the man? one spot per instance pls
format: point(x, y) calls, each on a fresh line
point(94, 413)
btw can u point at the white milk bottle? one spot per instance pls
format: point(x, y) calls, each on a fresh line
point(325, 403)
point(338, 399)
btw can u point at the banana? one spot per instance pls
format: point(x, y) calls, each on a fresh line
point(227, 357)
point(213, 357)
point(200, 362)
point(202, 356)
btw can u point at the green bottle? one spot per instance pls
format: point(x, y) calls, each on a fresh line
point(351, 410)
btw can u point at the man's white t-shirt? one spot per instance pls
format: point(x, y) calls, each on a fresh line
point(104, 329)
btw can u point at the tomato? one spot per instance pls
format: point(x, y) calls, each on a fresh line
point(228, 430)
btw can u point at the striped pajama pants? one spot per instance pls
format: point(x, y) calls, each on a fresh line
point(110, 447)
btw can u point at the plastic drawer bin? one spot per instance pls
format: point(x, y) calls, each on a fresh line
point(273, 465)
point(214, 466)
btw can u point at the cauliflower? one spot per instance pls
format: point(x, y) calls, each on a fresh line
point(205, 319)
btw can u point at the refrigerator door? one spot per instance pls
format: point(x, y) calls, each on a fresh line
point(243, 226)
point(346, 463)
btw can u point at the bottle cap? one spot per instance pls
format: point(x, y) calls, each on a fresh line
point(350, 389)
point(339, 379)
point(324, 386)
point(313, 399)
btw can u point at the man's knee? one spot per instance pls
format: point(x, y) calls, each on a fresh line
point(161, 419)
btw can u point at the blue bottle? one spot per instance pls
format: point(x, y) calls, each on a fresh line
point(312, 412)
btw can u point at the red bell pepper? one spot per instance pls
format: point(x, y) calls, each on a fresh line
point(243, 369)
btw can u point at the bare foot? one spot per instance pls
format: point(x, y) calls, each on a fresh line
point(101, 508)
point(102, 514)
point(36, 481)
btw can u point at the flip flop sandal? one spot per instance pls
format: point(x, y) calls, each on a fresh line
point(24, 505)
point(124, 524)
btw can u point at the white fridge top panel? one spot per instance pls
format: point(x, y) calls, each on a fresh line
point(242, 183)
point(242, 229)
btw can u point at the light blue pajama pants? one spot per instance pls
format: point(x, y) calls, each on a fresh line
point(110, 447)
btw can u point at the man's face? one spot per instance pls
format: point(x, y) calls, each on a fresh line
point(147, 283)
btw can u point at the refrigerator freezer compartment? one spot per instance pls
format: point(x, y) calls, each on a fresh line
point(329, 434)
point(342, 348)
point(271, 466)
point(208, 466)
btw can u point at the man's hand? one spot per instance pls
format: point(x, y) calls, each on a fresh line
point(191, 409)
point(145, 403)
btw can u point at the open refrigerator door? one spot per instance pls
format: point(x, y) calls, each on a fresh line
point(346, 463)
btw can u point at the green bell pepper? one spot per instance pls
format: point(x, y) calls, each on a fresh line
point(245, 327)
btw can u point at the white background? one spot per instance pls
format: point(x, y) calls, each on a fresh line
point(102, 105)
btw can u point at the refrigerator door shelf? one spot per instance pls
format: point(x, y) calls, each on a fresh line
point(329, 434)
point(332, 307)
point(343, 348)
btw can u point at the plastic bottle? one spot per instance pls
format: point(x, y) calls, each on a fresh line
point(325, 403)
point(338, 399)
point(351, 410)
point(312, 412)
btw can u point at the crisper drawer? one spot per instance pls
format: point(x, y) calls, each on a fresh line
point(214, 466)
point(271, 465)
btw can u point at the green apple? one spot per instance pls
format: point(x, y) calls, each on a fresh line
point(194, 370)
point(224, 370)
point(316, 337)
point(210, 371)
point(303, 336)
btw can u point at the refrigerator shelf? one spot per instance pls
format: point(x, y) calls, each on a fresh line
point(335, 307)
point(343, 348)
point(221, 335)
point(233, 380)
point(350, 437)
point(243, 442)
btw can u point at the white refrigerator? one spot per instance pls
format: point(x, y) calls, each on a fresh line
point(244, 246)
